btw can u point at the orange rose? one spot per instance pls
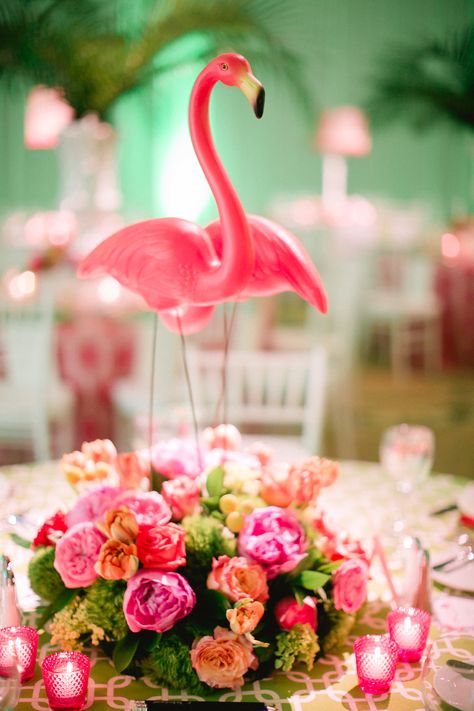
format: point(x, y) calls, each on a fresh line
point(238, 578)
point(305, 480)
point(76, 468)
point(121, 524)
point(245, 616)
point(222, 660)
point(117, 560)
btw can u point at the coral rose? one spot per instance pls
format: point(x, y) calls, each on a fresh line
point(182, 496)
point(100, 450)
point(162, 547)
point(92, 505)
point(117, 560)
point(222, 660)
point(76, 554)
point(120, 524)
point(305, 480)
point(155, 600)
point(274, 488)
point(51, 531)
point(238, 578)
point(245, 617)
point(132, 468)
point(289, 612)
point(150, 508)
point(274, 538)
point(350, 585)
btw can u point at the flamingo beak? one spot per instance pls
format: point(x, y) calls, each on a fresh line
point(254, 91)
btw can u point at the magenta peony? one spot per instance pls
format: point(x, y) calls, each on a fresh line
point(156, 600)
point(162, 547)
point(92, 505)
point(182, 495)
point(274, 538)
point(150, 508)
point(350, 585)
point(289, 612)
point(222, 660)
point(77, 553)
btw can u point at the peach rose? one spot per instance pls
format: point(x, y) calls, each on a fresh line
point(121, 524)
point(305, 480)
point(76, 468)
point(100, 450)
point(132, 468)
point(238, 578)
point(222, 660)
point(117, 560)
point(245, 616)
point(274, 489)
point(182, 496)
point(222, 437)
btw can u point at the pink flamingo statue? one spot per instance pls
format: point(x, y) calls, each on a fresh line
point(183, 270)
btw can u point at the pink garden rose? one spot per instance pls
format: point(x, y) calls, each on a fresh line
point(238, 578)
point(156, 600)
point(222, 660)
point(162, 547)
point(182, 496)
point(350, 585)
point(176, 457)
point(92, 505)
point(77, 553)
point(289, 612)
point(149, 507)
point(274, 538)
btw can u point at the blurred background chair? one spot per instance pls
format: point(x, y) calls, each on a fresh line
point(35, 403)
point(276, 394)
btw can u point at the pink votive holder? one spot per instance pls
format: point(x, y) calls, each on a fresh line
point(376, 660)
point(409, 628)
point(22, 643)
point(66, 676)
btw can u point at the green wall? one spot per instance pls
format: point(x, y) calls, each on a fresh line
point(340, 41)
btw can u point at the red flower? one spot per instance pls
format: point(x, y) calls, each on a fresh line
point(51, 531)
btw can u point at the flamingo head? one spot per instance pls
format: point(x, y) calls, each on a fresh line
point(234, 70)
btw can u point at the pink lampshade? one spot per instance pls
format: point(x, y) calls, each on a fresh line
point(47, 114)
point(343, 130)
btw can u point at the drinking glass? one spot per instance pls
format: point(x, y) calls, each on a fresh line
point(406, 455)
point(10, 685)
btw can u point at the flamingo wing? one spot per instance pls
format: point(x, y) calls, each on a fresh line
point(162, 260)
point(281, 263)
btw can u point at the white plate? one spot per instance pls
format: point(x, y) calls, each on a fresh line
point(465, 500)
point(461, 579)
point(454, 688)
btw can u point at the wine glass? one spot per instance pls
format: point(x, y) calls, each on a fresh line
point(406, 455)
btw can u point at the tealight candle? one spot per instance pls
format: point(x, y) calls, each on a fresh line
point(376, 661)
point(21, 642)
point(66, 676)
point(409, 628)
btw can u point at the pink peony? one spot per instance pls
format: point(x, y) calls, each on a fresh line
point(182, 495)
point(150, 508)
point(162, 547)
point(222, 660)
point(155, 600)
point(289, 612)
point(350, 585)
point(274, 538)
point(238, 578)
point(176, 457)
point(92, 505)
point(77, 553)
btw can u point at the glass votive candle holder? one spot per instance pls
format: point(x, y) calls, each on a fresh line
point(409, 628)
point(21, 642)
point(66, 677)
point(376, 660)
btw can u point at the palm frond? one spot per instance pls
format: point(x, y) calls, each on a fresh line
point(426, 83)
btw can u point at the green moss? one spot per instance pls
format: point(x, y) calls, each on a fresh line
point(204, 541)
point(103, 606)
point(169, 663)
point(45, 580)
point(339, 624)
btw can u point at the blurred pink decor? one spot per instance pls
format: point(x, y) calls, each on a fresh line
point(47, 114)
point(342, 131)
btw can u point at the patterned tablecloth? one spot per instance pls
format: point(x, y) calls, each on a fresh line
point(361, 501)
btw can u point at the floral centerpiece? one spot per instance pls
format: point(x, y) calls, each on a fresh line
point(221, 572)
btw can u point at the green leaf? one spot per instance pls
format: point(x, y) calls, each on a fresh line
point(312, 579)
point(20, 541)
point(157, 479)
point(308, 562)
point(298, 595)
point(58, 604)
point(330, 567)
point(124, 651)
point(215, 482)
point(212, 604)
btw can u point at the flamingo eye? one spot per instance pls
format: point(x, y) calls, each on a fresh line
point(224, 66)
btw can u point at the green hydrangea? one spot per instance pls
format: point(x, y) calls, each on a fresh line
point(169, 664)
point(103, 607)
point(204, 540)
point(45, 580)
point(340, 625)
point(300, 644)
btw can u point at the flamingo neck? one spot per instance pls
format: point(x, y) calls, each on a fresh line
point(237, 247)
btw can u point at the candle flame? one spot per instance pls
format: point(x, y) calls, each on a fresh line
point(69, 667)
point(377, 652)
point(407, 623)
